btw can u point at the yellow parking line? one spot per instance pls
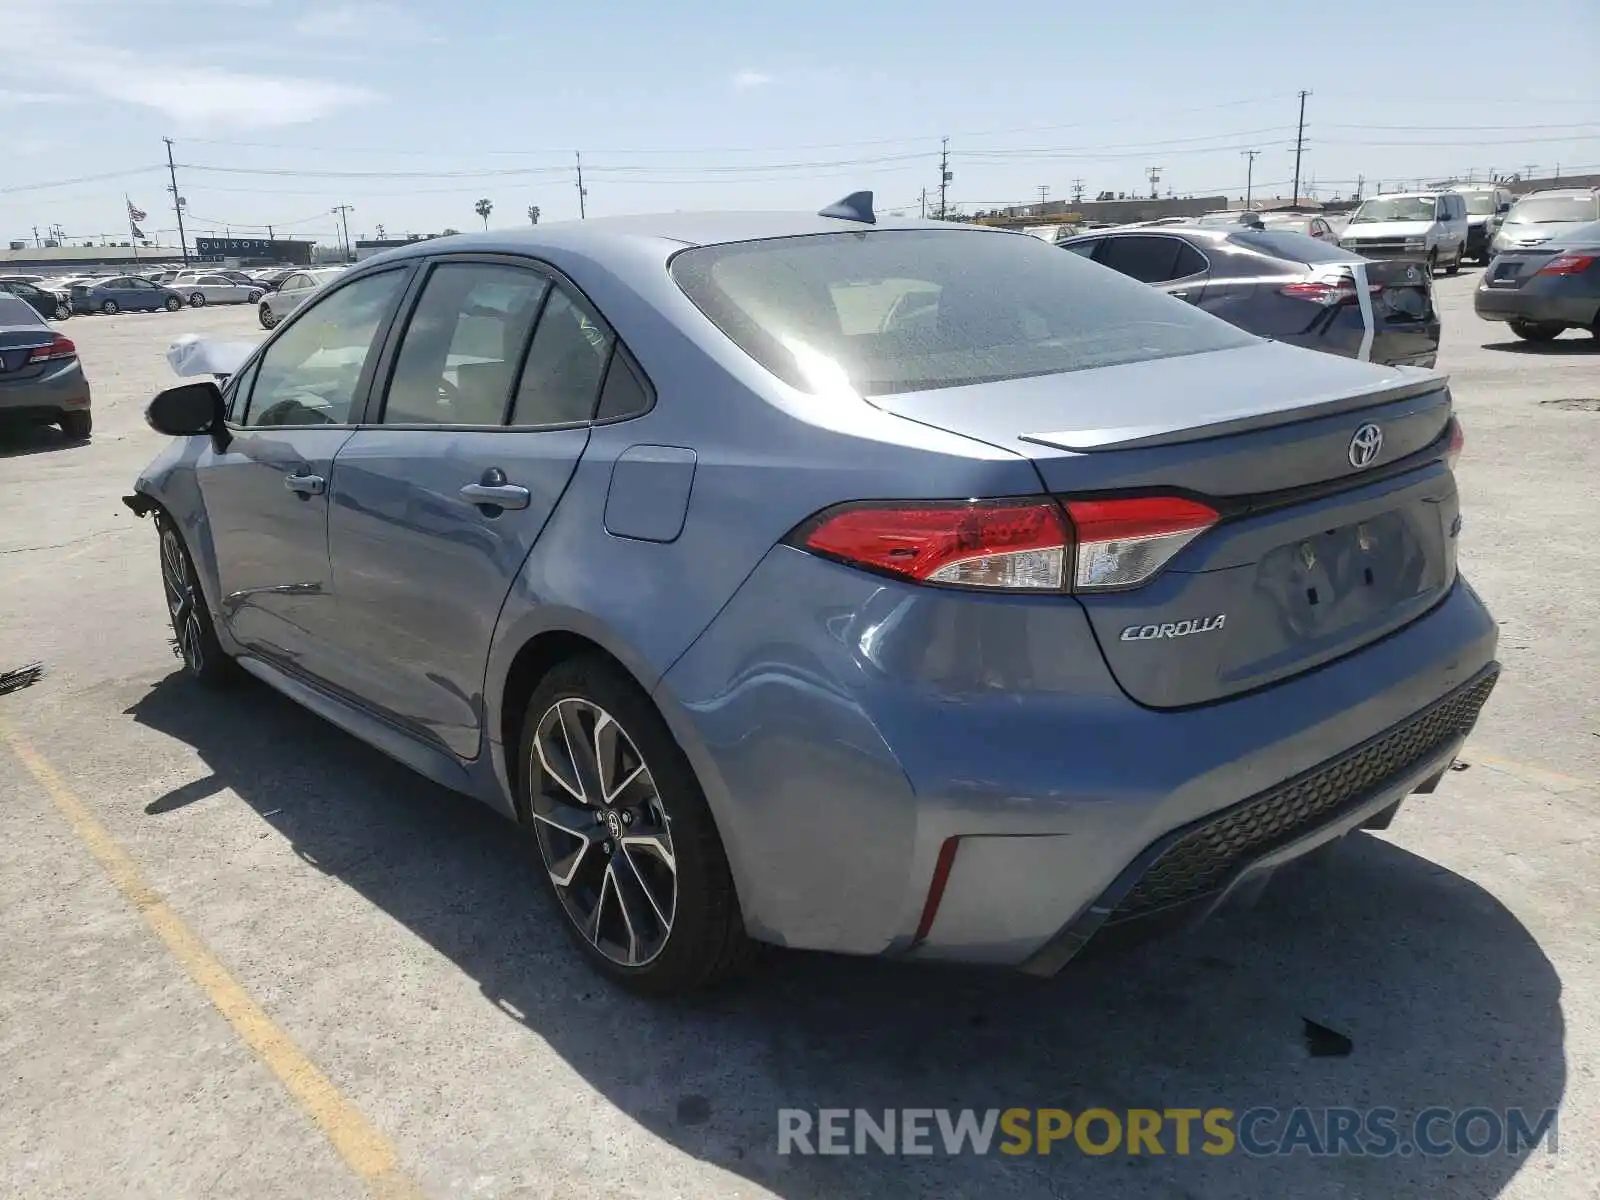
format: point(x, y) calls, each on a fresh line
point(365, 1151)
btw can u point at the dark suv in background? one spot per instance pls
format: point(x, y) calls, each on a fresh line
point(1282, 285)
point(1486, 207)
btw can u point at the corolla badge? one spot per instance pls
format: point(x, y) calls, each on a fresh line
point(1364, 446)
point(1174, 629)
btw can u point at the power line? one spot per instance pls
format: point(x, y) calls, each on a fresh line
point(100, 178)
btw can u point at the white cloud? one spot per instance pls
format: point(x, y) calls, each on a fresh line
point(745, 80)
point(211, 98)
point(12, 96)
point(369, 20)
point(229, 99)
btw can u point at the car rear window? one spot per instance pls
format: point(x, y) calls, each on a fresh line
point(1296, 247)
point(886, 311)
point(1549, 210)
point(17, 312)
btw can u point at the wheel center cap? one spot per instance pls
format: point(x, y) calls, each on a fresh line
point(614, 824)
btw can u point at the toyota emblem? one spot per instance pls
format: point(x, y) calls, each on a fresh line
point(1364, 446)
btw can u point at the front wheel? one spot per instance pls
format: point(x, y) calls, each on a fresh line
point(63, 312)
point(1535, 331)
point(254, 297)
point(194, 638)
point(109, 308)
point(626, 843)
point(173, 304)
point(266, 317)
point(197, 300)
point(1433, 262)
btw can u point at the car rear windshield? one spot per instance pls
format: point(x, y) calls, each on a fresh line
point(1296, 247)
point(1549, 210)
point(17, 312)
point(890, 311)
point(1396, 208)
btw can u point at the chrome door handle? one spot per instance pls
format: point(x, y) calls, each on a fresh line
point(492, 491)
point(306, 485)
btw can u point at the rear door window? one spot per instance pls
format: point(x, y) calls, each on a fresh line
point(463, 345)
point(1190, 261)
point(571, 348)
point(1142, 257)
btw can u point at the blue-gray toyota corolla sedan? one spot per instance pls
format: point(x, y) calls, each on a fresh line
point(884, 587)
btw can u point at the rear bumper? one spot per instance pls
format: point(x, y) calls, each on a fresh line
point(853, 733)
point(1192, 871)
point(1519, 304)
point(62, 390)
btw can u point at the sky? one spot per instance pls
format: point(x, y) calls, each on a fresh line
point(410, 111)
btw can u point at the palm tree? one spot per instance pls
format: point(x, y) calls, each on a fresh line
point(533, 214)
point(483, 208)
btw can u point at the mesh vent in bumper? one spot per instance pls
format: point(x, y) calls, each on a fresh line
point(1204, 859)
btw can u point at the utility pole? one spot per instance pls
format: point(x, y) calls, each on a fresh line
point(177, 201)
point(1361, 181)
point(1154, 174)
point(270, 238)
point(1529, 169)
point(923, 213)
point(1299, 143)
point(36, 236)
point(343, 212)
point(1249, 175)
point(1077, 191)
point(583, 213)
point(945, 176)
point(1044, 190)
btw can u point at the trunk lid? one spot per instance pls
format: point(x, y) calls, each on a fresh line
point(1509, 271)
point(1314, 555)
point(16, 344)
point(1401, 291)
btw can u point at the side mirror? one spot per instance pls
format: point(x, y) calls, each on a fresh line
point(188, 410)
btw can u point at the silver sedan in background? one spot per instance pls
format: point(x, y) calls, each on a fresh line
point(275, 306)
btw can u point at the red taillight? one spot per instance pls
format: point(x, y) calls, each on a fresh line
point(979, 543)
point(1320, 292)
point(1567, 264)
point(1458, 440)
point(1327, 292)
point(59, 347)
point(1094, 545)
point(1123, 542)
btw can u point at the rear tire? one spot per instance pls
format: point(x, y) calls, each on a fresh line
point(194, 637)
point(197, 300)
point(1533, 331)
point(109, 307)
point(1433, 262)
point(678, 868)
point(173, 304)
point(254, 297)
point(76, 425)
point(62, 312)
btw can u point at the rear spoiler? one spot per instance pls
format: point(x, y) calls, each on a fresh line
point(192, 354)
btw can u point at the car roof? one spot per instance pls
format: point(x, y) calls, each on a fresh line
point(1430, 195)
point(1573, 191)
point(668, 231)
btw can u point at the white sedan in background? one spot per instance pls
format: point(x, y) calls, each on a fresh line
point(215, 289)
point(292, 292)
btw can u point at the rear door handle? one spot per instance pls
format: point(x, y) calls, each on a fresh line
point(492, 491)
point(306, 485)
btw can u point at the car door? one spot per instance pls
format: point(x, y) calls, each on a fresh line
point(265, 495)
point(1169, 263)
point(439, 498)
point(146, 295)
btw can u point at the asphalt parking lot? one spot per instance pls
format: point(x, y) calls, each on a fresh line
point(243, 955)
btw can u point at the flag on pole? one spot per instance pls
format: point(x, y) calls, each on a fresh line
point(135, 215)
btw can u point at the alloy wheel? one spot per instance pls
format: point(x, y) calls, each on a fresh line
point(603, 832)
point(183, 602)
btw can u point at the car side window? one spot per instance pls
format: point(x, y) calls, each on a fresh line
point(1145, 258)
point(1190, 261)
point(463, 344)
point(1086, 249)
point(626, 392)
point(236, 395)
point(310, 374)
point(561, 379)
